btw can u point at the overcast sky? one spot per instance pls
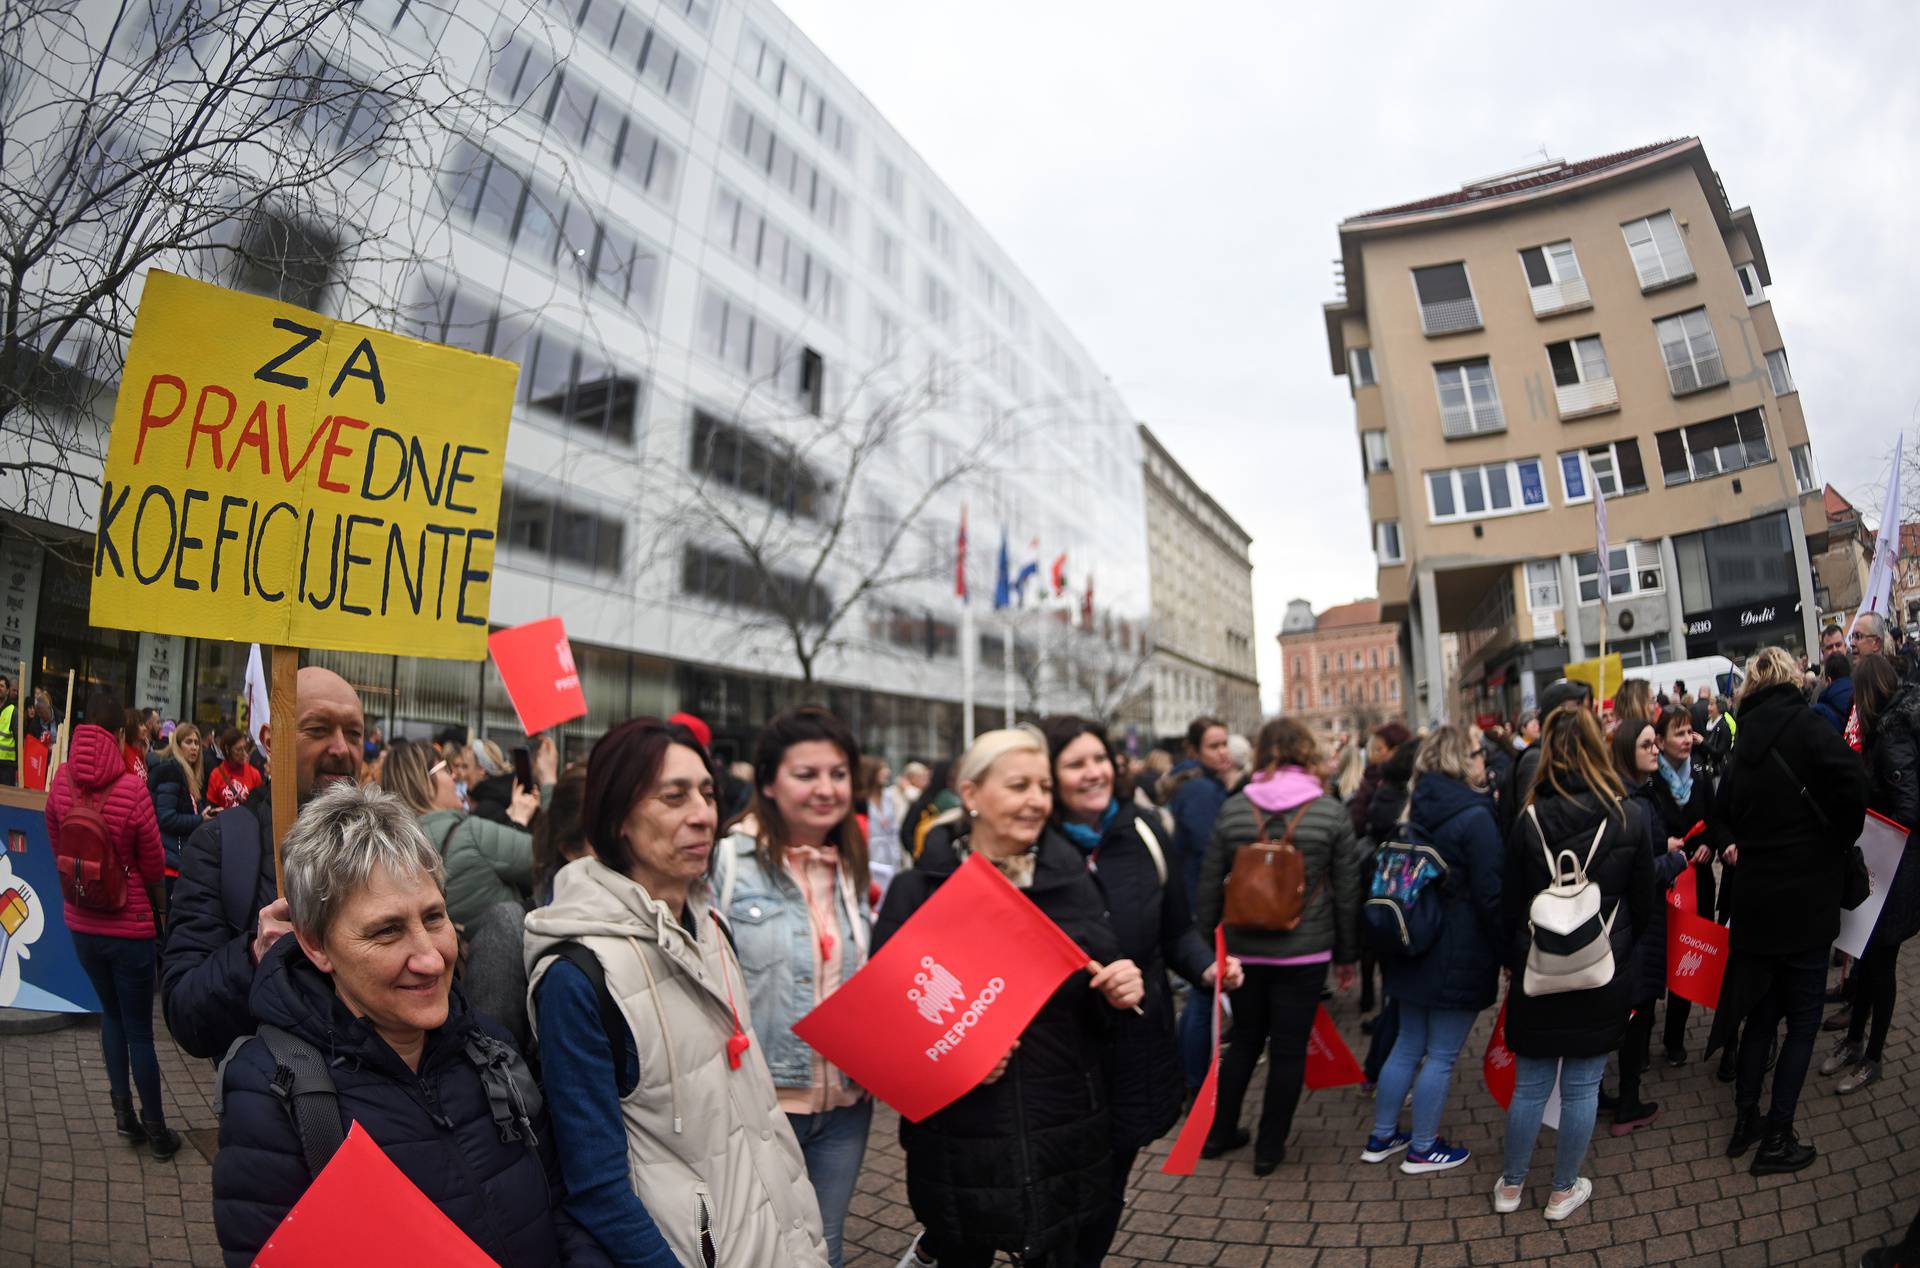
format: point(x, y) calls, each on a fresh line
point(1171, 178)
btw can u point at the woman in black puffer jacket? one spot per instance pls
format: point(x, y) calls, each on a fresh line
point(178, 796)
point(1023, 1162)
point(1637, 752)
point(1577, 804)
point(1127, 855)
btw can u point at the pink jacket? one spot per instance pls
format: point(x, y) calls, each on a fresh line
point(97, 770)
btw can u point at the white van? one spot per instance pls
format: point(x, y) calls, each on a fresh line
point(1723, 673)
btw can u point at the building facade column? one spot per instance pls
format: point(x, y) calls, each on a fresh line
point(1570, 608)
point(1676, 617)
point(1803, 576)
point(1432, 661)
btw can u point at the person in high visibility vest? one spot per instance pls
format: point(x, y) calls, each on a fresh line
point(9, 732)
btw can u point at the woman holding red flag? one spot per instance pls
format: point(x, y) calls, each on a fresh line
point(1681, 796)
point(1023, 1162)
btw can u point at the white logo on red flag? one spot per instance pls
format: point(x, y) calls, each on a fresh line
point(935, 991)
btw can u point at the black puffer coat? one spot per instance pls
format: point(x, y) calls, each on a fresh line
point(1020, 1164)
point(1650, 945)
point(1586, 1023)
point(1461, 969)
point(176, 807)
point(1791, 864)
point(436, 1125)
point(205, 970)
point(1893, 766)
point(1155, 932)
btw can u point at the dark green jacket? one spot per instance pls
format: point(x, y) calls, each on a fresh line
point(1334, 869)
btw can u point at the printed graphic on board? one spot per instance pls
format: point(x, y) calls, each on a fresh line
point(38, 967)
point(22, 918)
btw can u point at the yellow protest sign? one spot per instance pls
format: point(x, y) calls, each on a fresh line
point(276, 476)
point(1603, 675)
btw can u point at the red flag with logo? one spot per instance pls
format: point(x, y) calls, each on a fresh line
point(1497, 1066)
point(1330, 1062)
point(536, 666)
point(1193, 1133)
point(1696, 946)
point(33, 762)
point(930, 1015)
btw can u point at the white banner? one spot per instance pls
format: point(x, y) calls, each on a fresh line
point(1883, 842)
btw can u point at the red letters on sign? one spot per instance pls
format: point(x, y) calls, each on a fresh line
point(937, 1007)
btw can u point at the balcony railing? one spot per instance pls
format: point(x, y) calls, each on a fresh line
point(1697, 377)
point(1479, 421)
point(1586, 398)
point(1558, 297)
point(1447, 316)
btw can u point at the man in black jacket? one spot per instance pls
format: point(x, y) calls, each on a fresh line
point(1791, 806)
point(226, 911)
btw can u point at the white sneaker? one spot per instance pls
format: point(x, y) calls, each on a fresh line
point(912, 1257)
point(1565, 1204)
point(1506, 1199)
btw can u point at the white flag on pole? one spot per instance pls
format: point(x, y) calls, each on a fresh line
point(258, 707)
point(1886, 547)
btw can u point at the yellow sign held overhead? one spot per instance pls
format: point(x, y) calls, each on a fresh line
point(1604, 675)
point(276, 476)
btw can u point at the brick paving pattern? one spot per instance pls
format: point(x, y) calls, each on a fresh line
point(72, 1193)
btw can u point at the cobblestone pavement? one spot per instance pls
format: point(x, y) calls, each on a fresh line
point(72, 1192)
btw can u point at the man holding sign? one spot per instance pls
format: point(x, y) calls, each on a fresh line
point(1019, 1163)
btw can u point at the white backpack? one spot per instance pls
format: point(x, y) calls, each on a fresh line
point(1571, 946)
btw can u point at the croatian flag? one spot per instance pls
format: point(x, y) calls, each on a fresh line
point(1029, 569)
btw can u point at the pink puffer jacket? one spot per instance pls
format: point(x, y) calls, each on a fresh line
point(96, 770)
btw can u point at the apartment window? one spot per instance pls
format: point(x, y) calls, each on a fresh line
point(1554, 280)
point(1577, 361)
point(889, 182)
point(1805, 477)
point(1340, 661)
point(1323, 663)
point(1612, 469)
point(1691, 353)
point(1659, 253)
point(1373, 659)
point(1777, 372)
point(1343, 693)
point(1300, 697)
point(1360, 367)
point(1373, 449)
point(1297, 670)
point(1750, 287)
point(1469, 403)
point(1633, 568)
point(560, 531)
point(1715, 447)
point(1481, 492)
point(1446, 299)
point(1393, 688)
point(1543, 584)
point(1386, 542)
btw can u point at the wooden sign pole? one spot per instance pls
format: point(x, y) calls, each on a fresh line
point(21, 696)
point(282, 705)
point(61, 749)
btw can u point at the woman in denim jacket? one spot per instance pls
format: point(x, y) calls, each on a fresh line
point(791, 877)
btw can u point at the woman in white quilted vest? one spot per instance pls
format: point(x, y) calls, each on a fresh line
point(792, 880)
point(673, 1144)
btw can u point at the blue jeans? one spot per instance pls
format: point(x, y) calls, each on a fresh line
point(1196, 1037)
point(1430, 1041)
point(834, 1143)
point(1579, 1102)
point(121, 970)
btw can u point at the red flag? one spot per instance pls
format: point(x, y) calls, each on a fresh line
point(960, 559)
point(1696, 946)
point(1497, 1066)
point(929, 1016)
point(33, 762)
point(1193, 1133)
point(362, 1210)
point(536, 666)
point(1330, 1062)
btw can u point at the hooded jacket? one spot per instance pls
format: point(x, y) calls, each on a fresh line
point(1329, 920)
point(1022, 1163)
point(1836, 703)
point(1193, 796)
point(487, 862)
point(1462, 968)
point(436, 1124)
point(1650, 945)
point(96, 772)
point(1793, 827)
point(176, 806)
point(708, 1147)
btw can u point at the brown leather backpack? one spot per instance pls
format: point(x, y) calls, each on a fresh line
point(1267, 889)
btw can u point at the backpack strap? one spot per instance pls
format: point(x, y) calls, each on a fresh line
point(513, 1096)
point(611, 1019)
point(303, 1083)
point(1553, 867)
point(1152, 842)
point(1799, 784)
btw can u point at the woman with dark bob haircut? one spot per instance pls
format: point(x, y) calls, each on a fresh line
point(673, 1144)
point(791, 876)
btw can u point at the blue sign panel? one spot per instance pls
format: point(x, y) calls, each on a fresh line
point(38, 967)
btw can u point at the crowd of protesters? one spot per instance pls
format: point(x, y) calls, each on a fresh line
point(644, 929)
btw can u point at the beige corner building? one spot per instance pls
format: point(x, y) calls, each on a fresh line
point(1200, 577)
point(1528, 342)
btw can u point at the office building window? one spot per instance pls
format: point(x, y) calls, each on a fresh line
point(757, 239)
point(1691, 353)
point(1712, 448)
point(1633, 568)
point(800, 96)
point(939, 233)
point(556, 530)
point(889, 182)
point(1446, 299)
point(1360, 367)
point(710, 574)
point(637, 44)
point(801, 179)
point(936, 298)
point(1469, 402)
point(525, 75)
point(1806, 478)
point(1613, 468)
point(1750, 287)
point(761, 468)
point(736, 336)
point(1777, 372)
point(1386, 542)
point(1481, 492)
point(1659, 253)
point(1374, 451)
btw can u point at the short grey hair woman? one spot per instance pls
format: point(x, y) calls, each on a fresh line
point(363, 991)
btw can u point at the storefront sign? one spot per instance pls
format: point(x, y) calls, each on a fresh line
point(1765, 617)
point(20, 559)
point(276, 476)
point(160, 673)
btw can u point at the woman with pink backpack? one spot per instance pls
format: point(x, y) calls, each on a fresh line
point(107, 843)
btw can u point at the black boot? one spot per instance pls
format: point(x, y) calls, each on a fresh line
point(163, 1139)
point(1782, 1152)
point(1232, 1140)
point(1746, 1130)
point(124, 1121)
point(1729, 1065)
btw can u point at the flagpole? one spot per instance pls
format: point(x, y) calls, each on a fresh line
point(968, 650)
point(1011, 628)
